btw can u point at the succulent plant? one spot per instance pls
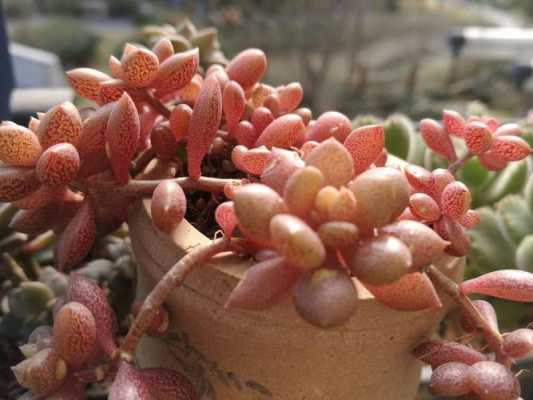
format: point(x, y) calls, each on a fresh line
point(314, 204)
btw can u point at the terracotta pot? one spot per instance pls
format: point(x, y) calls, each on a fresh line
point(239, 355)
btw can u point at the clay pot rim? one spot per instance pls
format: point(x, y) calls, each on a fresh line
point(186, 236)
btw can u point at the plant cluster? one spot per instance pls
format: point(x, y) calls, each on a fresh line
point(316, 204)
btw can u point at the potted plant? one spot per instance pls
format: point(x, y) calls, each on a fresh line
point(332, 268)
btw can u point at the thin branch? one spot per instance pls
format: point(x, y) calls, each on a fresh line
point(493, 338)
point(142, 161)
point(156, 104)
point(146, 187)
point(453, 167)
point(170, 281)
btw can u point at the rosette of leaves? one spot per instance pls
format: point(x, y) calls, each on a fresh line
point(186, 36)
point(487, 187)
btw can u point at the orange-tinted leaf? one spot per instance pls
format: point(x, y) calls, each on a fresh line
point(478, 137)
point(290, 96)
point(168, 206)
point(330, 124)
point(17, 182)
point(365, 144)
point(412, 292)
point(139, 67)
point(77, 239)
point(179, 120)
point(61, 124)
point(264, 284)
point(233, 103)
point(19, 146)
point(250, 161)
point(245, 134)
point(247, 67)
point(58, 164)
point(92, 139)
point(203, 126)
point(285, 132)
point(122, 137)
point(86, 82)
point(437, 139)
point(163, 49)
point(177, 70)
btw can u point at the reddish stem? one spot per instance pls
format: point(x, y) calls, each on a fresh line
point(146, 187)
point(156, 104)
point(493, 338)
point(164, 288)
point(453, 167)
point(142, 161)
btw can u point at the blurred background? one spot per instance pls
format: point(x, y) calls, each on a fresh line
point(356, 56)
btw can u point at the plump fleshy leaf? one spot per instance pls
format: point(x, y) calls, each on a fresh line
point(233, 103)
point(510, 148)
point(455, 200)
point(247, 68)
point(412, 292)
point(255, 205)
point(245, 134)
point(177, 70)
point(261, 118)
point(518, 343)
point(334, 161)
point(285, 132)
point(439, 352)
point(478, 137)
point(164, 142)
point(17, 182)
point(92, 139)
point(139, 67)
point(129, 384)
point(365, 144)
point(487, 312)
point(35, 221)
point(437, 139)
point(272, 103)
point(493, 381)
point(203, 126)
point(450, 379)
point(507, 284)
point(297, 242)
point(454, 123)
point(122, 137)
point(425, 245)
point(19, 146)
point(301, 189)
point(74, 334)
point(251, 161)
point(86, 82)
point(58, 164)
point(115, 67)
point(264, 284)
point(179, 120)
point(61, 124)
point(290, 96)
point(330, 124)
point(166, 384)
point(325, 297)
point(43, 373)
point(452, 231)
point(88, 293)
point(163, 49)
point(382, 194)
point(41, 197)
point(77, 239)
point(424, 207)
point(226, 218)
point(168, 205)
point(279, 166)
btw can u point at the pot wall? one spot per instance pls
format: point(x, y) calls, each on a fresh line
point(274, 354)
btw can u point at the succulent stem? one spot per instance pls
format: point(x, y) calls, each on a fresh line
point(165, 287)
point(493, 338)
point(453, 167)
point(142, 187)
point(142, 161)
point(156, 104)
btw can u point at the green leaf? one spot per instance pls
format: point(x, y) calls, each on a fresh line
point(29, 299)
point(491, 247)
point(398, 134)
point(524, 254)
point(511, 180)
point(472, 174)
point(528, 193)
point(417, 150)
point(516, 216)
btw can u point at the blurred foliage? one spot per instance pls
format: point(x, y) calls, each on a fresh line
point(75, 44)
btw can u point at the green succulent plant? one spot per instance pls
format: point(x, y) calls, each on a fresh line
point(186, 36)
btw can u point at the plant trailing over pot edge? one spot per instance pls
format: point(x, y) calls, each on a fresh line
point(312, 202)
